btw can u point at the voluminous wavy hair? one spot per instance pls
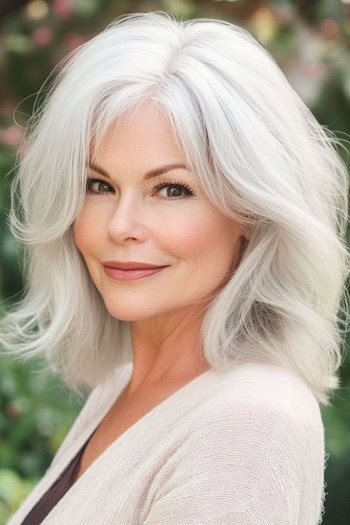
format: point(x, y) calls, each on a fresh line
point(260, 156)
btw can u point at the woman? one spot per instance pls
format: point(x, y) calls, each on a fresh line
point(185, 218)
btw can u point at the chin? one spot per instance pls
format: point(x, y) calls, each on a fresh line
point(130, 313)
point(138, 309)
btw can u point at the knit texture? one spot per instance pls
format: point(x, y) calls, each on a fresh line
point(241, 447)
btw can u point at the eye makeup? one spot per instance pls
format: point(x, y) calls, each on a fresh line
point(187, 191)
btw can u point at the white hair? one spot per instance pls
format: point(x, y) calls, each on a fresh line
point(260, 156)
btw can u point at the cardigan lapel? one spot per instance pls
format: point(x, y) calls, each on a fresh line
point(78, 434)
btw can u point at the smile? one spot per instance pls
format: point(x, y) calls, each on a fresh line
point(131, 275)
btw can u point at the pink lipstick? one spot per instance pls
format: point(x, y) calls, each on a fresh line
point(131, 270)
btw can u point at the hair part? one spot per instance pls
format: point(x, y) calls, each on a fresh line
point(258, 153)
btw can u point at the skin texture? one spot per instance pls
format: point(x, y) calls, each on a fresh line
point(125, 218)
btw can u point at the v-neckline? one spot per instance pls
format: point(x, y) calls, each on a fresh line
point(91, 428)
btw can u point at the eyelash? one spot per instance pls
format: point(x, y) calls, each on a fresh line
point(158, 187)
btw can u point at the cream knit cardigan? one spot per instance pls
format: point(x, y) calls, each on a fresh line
point(241, 447)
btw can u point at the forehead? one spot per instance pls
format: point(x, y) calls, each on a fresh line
point(143, 134)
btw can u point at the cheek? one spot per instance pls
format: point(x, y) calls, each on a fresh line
point(202, 235)
point(185, 235)
point(87, 228)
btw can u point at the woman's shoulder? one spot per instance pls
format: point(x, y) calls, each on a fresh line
point(258, 438)
point(258, 391)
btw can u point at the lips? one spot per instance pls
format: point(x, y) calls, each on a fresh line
point(131, 265)
point(131, 275)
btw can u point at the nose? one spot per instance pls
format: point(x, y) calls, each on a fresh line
point(127, 222)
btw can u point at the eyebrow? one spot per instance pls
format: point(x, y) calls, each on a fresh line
point(153, 173)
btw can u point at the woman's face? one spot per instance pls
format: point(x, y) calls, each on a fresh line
point(164, 220)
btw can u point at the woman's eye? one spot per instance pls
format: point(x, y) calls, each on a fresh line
point(174, 190)
point(94, 185)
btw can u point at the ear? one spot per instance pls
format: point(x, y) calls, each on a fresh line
point(244, 244)
point(247, 232)
point(246, 227)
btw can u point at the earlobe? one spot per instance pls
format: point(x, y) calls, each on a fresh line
point(244, 244)
point(244, 241)
point(247, 232)
point(247, 227)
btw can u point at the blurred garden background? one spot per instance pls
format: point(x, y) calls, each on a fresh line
point(310, 40)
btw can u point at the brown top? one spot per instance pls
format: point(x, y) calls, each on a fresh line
point(55, 492)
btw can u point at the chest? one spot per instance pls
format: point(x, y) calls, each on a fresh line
point(121, 416)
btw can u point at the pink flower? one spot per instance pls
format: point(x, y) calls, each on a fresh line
point(62, 8)
point(329, 28)
point(11, 136)
point(314, 69)
point(13, 409)
point(71, 41)
point(42, 36)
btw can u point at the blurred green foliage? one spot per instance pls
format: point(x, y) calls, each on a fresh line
point(310, 42)
point(35, 415)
